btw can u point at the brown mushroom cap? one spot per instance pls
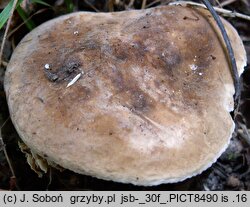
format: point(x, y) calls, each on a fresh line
point(152, 102)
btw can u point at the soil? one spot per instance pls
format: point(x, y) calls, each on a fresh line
point(230, 172)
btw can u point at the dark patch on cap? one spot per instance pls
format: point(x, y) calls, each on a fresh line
point(127, 51)
point(171, 59)
point(127, 91)
point(66, 72)
point(72, 66)
point(51, 76)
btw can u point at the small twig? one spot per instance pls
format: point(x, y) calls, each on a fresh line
point(13, 44)
point(163, 2)
point(143, 5)
point(4, 63)
point(218, 3)
point(223, 12)
point(225, 3)
point(245, 38)
point(131, 3)
point(153, 3)
point(206, 188)
point(244, 133)
point(92, 6)
point(246, 2)
point(111, 5)
point(238, 102)
point(5, 152)
point(7, 29)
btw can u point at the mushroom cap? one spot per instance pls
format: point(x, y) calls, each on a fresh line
point(152, 101)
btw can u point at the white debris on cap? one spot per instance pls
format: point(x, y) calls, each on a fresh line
point(47, 66)
point(193, 67)
point(74, 80)
point(195, 58)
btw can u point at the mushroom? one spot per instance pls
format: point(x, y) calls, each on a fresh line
point(139, 97)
